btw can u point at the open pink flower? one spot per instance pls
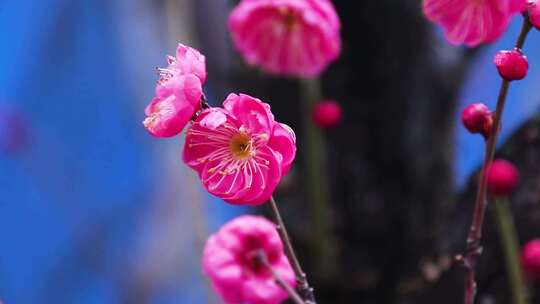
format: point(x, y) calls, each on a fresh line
point(178, 93)
point(240, 152)
point(229, 259)
point(472, 22)
point(287, 37)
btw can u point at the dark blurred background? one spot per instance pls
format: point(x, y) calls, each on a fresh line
point(94, 210)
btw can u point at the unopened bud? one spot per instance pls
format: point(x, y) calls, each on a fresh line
point(530, 259)
point(477, 118)
point(512, 65)
point(502, 178)
point(327, 114)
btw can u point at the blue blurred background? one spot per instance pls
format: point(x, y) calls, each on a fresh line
point(94, 210)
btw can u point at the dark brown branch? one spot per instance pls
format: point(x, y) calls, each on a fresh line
point(474, 248)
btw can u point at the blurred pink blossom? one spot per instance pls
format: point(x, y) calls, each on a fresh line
point(472, 22)
point(240, 152)
point(229, 259)
point(287, 37)
point(178, 93)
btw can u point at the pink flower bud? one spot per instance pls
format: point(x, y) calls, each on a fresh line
point(502, 178)
point(534, 14)
point(327, 114)
point(512, 65)
point(530, 259)
point(477, 119)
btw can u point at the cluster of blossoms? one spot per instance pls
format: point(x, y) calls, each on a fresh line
point(240, 153)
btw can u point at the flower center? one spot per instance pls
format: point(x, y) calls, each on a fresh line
point(241, 146)
point(288, 16)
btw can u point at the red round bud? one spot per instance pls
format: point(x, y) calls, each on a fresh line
point(512, 65)
point(477, 118)
point(327, 114)
point(502, 177)
point(534, 14)
point(530, 259)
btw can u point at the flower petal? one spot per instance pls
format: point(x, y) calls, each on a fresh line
point(263, 291)
point(191, 61)
point(167, 116)
point(283, 142)
point(251, 113)
point(204, 140)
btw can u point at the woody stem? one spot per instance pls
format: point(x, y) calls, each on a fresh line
point(261, 258)
point(303, 286)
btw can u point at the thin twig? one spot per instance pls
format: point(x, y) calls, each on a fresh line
point(261, 258)
point(510, 246)
point(303, 286)
point(474, 249)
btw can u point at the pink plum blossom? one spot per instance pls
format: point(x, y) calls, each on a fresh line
point(229, 259)
point(178, 93)
point(287, 37)
point(239, 151)
point(472, 22)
